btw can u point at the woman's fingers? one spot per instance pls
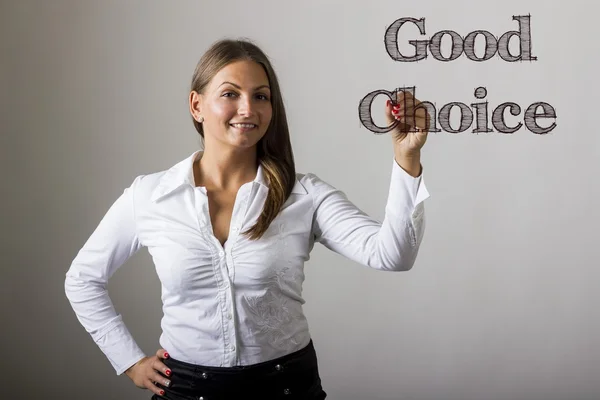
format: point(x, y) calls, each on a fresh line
point(157, 378)
point(153, 373)
point(414, 117)
point(408, 114)
point(408, 106)
point(160, 367)
point(151, 386)
point(162, 353)
point(404, 95)
point(418, 114)
point(421, 123)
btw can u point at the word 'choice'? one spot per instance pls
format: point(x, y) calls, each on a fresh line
point(480, 114)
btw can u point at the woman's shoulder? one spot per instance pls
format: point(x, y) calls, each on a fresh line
point(148, 181)
point(155, 185)
point(312, 183)
point(148, 185)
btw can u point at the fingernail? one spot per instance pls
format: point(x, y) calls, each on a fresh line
point(167, 382)
point(162, 392)
point(168, 372)
point(166, 354)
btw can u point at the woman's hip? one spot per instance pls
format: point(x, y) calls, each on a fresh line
point(294, 376)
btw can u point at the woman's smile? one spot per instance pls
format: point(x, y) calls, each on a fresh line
point(243, 127)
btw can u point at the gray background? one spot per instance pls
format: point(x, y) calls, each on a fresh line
point(502, 302)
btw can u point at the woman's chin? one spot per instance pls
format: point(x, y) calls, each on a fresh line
point(242, 143)
point(246, 139)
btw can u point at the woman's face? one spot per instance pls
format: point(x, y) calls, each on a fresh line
point(236, 105)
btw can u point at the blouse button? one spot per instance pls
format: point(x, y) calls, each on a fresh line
point(204, 375)
point(278, 367)
point(287, 391)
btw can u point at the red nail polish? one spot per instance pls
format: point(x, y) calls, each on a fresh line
point(168, 372)
point(162, 392)
point(166, 355)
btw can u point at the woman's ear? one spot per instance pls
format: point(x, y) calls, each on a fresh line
point(195, 103)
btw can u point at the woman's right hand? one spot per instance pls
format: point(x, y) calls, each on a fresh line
point(147, 372)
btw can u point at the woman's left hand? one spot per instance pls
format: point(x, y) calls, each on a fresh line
point(410, 133)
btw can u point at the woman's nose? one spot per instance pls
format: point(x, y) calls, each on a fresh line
point(246, 107)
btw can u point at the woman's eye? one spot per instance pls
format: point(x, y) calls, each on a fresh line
point(259, 96)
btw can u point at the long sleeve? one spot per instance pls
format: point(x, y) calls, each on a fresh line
point(390, 245)
point(110, 245)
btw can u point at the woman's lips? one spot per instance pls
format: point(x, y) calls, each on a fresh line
point(243, 127)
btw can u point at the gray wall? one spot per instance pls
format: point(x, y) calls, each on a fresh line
point(502, 302)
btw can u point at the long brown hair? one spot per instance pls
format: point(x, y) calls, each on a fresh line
point(274, 150)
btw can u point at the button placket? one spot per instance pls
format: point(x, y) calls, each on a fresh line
point(225, 300)
point(230, 265)
point(229, 322)
point(201, 206)
point(239, 210)
point(229, 329)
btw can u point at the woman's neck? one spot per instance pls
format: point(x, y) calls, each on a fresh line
point(225, 170)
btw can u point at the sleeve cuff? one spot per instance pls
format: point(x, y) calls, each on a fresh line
point(120, 348)
point(406, 190)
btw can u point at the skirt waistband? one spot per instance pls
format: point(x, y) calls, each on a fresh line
point(294, 376)
point(305, 356)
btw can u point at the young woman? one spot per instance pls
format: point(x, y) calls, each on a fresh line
point(229, 229)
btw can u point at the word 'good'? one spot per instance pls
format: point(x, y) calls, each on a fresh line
point(466, 115)
point(461, 45)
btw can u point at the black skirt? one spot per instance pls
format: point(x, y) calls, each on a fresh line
point(292, 377)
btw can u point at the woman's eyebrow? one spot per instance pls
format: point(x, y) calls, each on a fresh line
point(239, 87)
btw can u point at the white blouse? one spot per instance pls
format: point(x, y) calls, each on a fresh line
point(240, 303)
